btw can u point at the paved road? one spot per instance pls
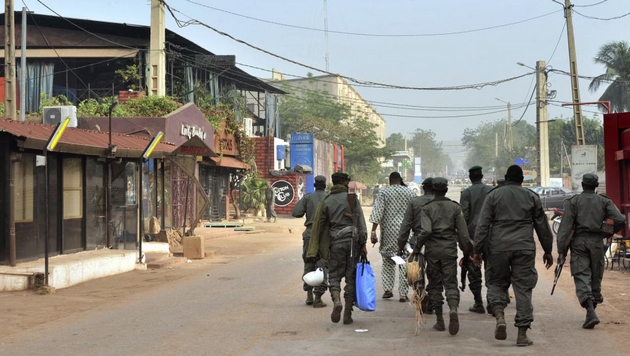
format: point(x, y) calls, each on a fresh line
point(249, 301)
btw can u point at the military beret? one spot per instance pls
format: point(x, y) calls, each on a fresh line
point(341, 175)
point(320, 179)
point(440, 184)
point(428, 181)
point(590, 179)
point(474, 168)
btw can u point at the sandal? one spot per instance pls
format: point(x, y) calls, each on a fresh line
point(388, 294)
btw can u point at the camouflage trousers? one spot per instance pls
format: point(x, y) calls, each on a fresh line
point(587, 268)
point(309, 266)
point(442, 276)
point(517, 268)
point(342, 264)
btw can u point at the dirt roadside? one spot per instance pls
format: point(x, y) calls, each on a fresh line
point(26, 309)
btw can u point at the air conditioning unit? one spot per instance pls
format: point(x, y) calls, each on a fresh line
point(53, 115)
point(248, 126)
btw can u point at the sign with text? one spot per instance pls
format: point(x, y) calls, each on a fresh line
point(583, 160)
point(284, 192)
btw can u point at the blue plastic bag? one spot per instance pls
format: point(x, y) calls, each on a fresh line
point(366, 286)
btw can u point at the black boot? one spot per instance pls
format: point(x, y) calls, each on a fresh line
point(347, 312)
point(499, 331)
point(591, 317)
point(522, 339)
point(478, 306)
point(318, 302)
point(335, 316)
point(439, 325)
point(453, 322)
point(309, 297)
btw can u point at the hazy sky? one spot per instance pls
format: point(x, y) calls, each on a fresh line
point(418, 61)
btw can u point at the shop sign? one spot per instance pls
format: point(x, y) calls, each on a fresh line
point(194, 151)
point(191, 130)
point(284, 192)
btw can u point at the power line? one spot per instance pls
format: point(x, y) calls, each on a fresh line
point(364, 109)
point(359, 102)
point(477, 86)
point(557, 43)
point(372, 34)
point(589, 5)
point(524, 111)
point(83, 29)
point(600, 18)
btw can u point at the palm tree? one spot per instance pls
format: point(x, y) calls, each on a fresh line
point(616, 57)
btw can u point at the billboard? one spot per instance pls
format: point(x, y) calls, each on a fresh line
point(583, 160)
point(417, 170)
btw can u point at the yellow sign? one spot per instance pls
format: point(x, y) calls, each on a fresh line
point(54, 139)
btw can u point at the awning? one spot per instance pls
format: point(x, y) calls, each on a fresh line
point(229, 162)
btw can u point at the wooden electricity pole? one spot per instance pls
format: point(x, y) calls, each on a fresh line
point(9, 61)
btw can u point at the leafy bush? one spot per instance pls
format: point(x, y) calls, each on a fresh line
point(253, 193)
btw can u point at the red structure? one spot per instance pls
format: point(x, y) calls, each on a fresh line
point(617, 158)
point(265, 155)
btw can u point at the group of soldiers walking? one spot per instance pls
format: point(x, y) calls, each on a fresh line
point(492, 226)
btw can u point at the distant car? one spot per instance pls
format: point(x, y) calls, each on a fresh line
point(552, 197)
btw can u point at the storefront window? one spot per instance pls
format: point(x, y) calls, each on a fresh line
point(72, 189)
point(95, 204)
point(124, 205)
point(72, 204)
point(24, 189)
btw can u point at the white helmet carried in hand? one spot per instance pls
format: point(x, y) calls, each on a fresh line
point(314, 278)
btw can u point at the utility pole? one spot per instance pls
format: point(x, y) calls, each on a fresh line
point(23, 66)
point(575, 87)
point(157, 57)
point(326, 32)
point(542, 124)
point(509, 127)
point(9, 61)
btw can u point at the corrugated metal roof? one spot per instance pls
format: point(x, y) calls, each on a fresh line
point(80, 141)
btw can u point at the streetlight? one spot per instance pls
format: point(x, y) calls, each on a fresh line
point(524, 65)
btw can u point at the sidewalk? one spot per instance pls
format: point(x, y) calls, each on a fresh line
point(72, 269)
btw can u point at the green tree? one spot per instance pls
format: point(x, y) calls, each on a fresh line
point(562, 132)
point(396, 142)
point(487, 145)
point(435, 162)
point(615, 56)
point(331, 121)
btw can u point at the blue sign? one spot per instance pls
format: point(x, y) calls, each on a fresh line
point(302, 138)
point(303, 153)
point(280, 152)
point(521, 161)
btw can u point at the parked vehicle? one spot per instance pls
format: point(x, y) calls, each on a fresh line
point(552, 197)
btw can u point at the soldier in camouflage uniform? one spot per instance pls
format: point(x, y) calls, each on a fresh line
point(442, 227)
point(586, 212)
point(411, 220)
point(339, 231)
point(471, 201)
point(505, 231)
point(308, 206)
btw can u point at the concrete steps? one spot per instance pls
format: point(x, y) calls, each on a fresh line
point(163, 260)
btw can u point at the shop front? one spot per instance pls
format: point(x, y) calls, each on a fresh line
point(76, 194)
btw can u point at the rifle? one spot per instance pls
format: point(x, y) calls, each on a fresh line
point(467, 269)
point(557, 272)
point(561, 261)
